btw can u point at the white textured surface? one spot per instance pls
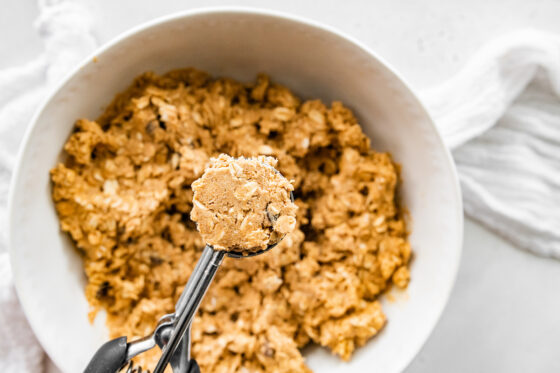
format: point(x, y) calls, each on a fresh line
point(504, 308)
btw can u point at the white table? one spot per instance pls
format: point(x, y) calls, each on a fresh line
point(504, 313)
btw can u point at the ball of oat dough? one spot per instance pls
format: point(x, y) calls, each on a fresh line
point(243, 204)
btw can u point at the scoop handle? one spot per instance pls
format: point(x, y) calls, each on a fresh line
point(188, 303)
point(193, 366)
point(109, 358)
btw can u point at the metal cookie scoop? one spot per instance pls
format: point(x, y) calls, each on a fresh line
point(192, 296)
point(172, 334)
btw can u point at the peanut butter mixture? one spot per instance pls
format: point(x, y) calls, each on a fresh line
point(243, 204)
point(124, 196)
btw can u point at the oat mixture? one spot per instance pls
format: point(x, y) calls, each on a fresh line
point(243, 204)
point(124, 195)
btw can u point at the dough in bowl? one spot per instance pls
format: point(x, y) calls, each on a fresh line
point(124, 196)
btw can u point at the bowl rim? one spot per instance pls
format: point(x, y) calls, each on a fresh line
point(90, 58)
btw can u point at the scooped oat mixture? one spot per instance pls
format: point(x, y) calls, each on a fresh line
point(243, 204)
point(124, 195)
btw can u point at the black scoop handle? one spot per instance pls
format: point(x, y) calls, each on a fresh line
point(193, 366)
point(110, 357)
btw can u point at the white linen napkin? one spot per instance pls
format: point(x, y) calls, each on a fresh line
point(500, 115)
point(65, 28)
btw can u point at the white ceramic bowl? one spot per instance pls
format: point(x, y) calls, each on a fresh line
point(313, 60)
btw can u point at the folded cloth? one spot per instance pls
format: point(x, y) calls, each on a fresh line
point(65, 28)
point(500, 115)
